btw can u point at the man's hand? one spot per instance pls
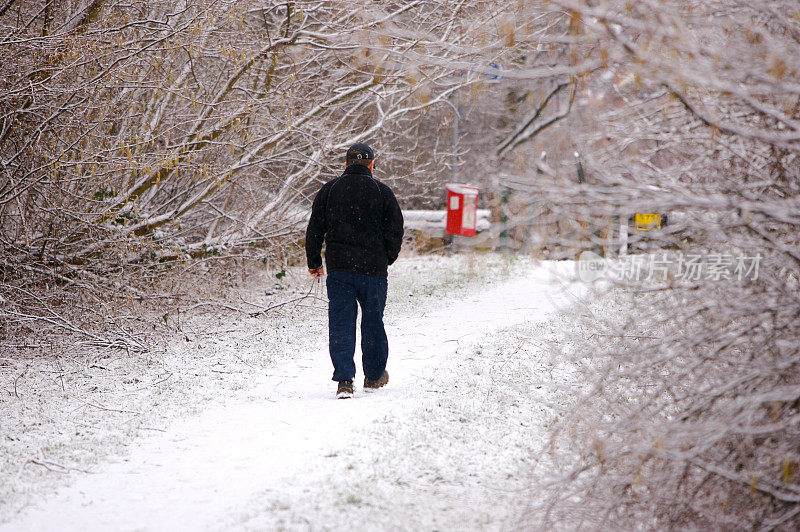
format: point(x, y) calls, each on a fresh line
point(316, 273)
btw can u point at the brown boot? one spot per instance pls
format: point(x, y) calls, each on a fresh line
point(374, 384)
point(344, 390)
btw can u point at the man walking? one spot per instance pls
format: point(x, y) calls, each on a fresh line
point(360, 221)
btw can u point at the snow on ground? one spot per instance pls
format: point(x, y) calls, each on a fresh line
point(446, 445)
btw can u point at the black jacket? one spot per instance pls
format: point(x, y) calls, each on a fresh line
point(359, 219)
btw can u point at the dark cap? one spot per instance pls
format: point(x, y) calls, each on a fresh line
point(360, 151)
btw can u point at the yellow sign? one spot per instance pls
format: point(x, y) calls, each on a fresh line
point(647, 221)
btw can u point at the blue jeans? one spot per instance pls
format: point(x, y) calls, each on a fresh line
point(345, 289)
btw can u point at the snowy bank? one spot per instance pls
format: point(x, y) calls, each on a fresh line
point(441, 446)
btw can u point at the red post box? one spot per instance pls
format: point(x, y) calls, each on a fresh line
point(462, 206)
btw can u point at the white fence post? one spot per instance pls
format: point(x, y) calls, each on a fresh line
point(623, 234)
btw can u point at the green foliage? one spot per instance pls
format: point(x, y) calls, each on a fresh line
point(102, 194)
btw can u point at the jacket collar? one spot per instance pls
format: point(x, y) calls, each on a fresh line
point(357, 169)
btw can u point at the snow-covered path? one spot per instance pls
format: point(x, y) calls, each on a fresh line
point(286, 435)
